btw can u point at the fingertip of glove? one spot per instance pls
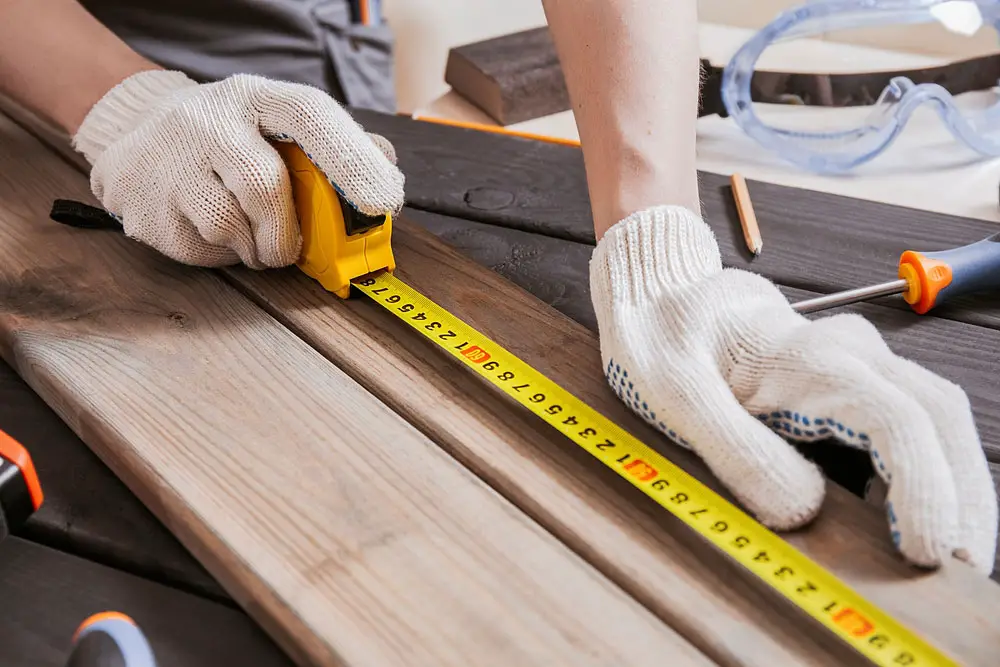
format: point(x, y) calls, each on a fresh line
point(980, 555)
point(797, 509)
point(933, 558)
point(378, 196)
point(924, 549)
point(778, 485)
point(385, 146)
point(964, 555)
point(790, 489)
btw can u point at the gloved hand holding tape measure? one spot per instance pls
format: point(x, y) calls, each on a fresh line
point(188, 170)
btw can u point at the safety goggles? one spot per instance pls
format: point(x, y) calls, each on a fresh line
point(872, 107)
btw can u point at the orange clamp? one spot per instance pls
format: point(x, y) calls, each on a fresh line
point(12, 451)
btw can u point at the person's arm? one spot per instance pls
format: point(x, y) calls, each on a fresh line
point(57, 60)
point(632, 71)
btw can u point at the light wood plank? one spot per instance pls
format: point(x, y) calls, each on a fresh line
point(349, 535)
point(628, 537)
point(595, 512)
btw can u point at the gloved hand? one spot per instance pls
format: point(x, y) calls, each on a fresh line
point(718, 360)
point(187, 168)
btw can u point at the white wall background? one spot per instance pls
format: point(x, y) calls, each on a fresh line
point(426, 29)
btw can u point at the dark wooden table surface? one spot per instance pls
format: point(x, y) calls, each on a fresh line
point(519, 207)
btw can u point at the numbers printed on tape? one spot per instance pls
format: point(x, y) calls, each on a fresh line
point(816, 591)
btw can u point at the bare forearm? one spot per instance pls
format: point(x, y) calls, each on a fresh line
point(631, 67)
point(58, 60)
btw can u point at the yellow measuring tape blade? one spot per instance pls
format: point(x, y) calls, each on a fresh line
point(872, 632)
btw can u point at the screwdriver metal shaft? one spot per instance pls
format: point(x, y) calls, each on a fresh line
point(851, 296)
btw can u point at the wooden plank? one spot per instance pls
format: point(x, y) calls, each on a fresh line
point(815, 241)
point(733, 637)
point(552, 270)
point(88, 511)
point(351, 537)
point(596, 514)
point(623, 533)
point(46, 594)
point(512, 78)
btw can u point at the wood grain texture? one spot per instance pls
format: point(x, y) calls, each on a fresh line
point(351, 537)
point(815, 241)
point(88, 511)
point(623, 533)
point(596, 514)
point(552, 270)
point(46, 594)
point(512, 78)
point(743, 634)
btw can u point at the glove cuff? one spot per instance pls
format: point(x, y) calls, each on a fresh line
point(122, 108)
point(652, 251)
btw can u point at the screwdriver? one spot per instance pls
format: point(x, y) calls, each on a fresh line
point(927, 279)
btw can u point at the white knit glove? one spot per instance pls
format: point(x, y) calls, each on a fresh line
point(718, 360)
point(187, 168)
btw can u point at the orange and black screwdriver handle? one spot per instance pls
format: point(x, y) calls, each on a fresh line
point(935, 277)
point(110, 639)
point(20, 491)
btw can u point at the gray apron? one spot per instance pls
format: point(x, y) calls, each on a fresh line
point(305, 41)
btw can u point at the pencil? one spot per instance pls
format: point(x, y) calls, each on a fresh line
point(748, 219)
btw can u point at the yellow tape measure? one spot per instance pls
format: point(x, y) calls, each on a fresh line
point(872, 632)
